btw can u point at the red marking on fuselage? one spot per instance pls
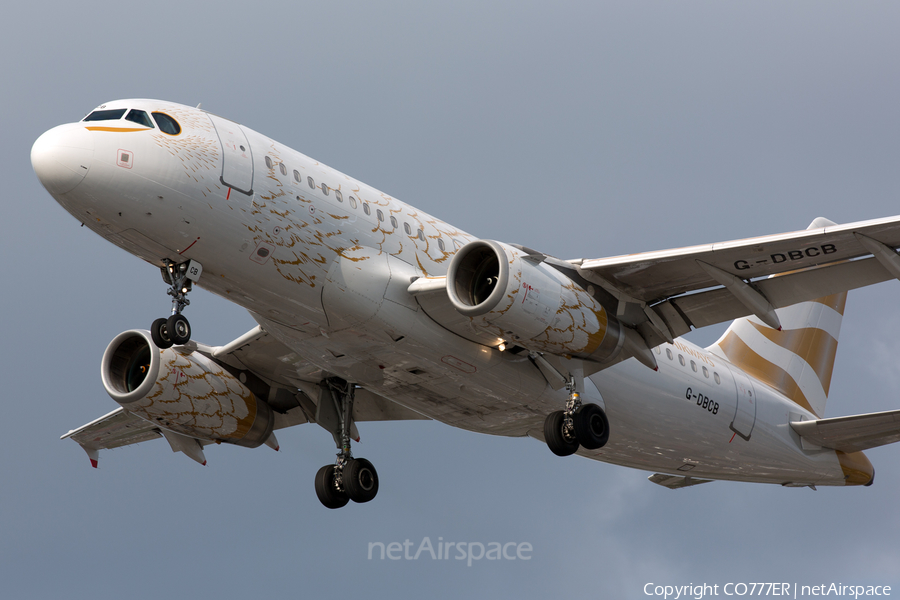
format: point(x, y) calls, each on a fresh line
point(228, 195)
point(459, 364)
point(732, 437)
point(189, 247)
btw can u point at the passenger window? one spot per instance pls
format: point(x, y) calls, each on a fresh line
point(716, 377)
point(366, 208)
point(312, 184)
point(681, 359)
point(268, 162)
point(324, 189)
point(441, 244)
point(352, 202)
point(139, 117)
point(106, 115)
point(693, 366)
point(706, 372)
point(380, 215)
point(338, 195)
point(394, 221)
point(297, 176)
point(166, 123)
point(669, 354)
point(283, 169)
point(407, 229)
point(421, 235)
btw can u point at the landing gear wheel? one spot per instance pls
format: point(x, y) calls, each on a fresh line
point(328, 495)
point(591, 426)
point(360, 480)
point(555, 435)
point(160, 335)
point(178, 329)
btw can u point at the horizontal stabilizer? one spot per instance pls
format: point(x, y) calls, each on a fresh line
point(673, 482)
point(852, 434)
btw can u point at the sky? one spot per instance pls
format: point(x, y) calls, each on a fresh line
point(582, 129)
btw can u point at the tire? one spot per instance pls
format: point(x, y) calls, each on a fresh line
point(591, 426)
point(360, 480)
point(178, 329)
point(160, 335)
point(556, 440)
point(325, 491)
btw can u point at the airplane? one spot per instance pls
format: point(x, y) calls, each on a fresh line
point(369, 309)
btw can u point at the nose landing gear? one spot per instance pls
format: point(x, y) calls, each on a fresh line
point(176, 329)
point(348, 478)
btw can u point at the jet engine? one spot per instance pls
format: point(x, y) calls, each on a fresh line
point(513, 295)
point(183, 391)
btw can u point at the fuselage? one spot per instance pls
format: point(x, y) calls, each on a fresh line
point(323, 263)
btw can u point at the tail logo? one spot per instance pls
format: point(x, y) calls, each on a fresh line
point(798, 361)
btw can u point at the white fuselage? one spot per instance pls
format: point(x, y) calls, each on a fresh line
point(323, 262)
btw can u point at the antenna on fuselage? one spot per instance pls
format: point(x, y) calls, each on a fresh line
point(198, 105)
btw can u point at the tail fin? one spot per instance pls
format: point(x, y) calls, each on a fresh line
point(798, 360)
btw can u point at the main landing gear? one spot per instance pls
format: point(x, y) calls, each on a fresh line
point(176, 330)
point(578, 425)
point(348, 478)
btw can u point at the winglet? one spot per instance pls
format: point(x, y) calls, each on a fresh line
point(93, 454)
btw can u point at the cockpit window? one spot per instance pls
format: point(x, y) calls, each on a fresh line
point(167, 124)
point(106, 115)
point(139, 117)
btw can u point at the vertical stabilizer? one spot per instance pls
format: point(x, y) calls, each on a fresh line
point(798, 360)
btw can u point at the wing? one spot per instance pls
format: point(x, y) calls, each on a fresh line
point(113, 430)
point(851, 434)
point(698, 286)
point(271, 370)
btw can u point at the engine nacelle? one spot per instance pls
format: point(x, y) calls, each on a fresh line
point(183, 391)
point(513, 296)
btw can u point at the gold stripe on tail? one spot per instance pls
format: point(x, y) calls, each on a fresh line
point(797, 360)
point(815, 346)
point(741, 355)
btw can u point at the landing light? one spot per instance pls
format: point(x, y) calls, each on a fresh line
point(502, 347)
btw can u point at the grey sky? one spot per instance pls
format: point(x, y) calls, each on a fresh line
point(582, 129)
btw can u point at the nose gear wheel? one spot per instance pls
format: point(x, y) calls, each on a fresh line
point(176, 329)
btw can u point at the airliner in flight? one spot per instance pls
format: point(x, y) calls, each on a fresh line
point(369, 309)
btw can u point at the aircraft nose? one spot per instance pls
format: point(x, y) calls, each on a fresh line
point(62, 157)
